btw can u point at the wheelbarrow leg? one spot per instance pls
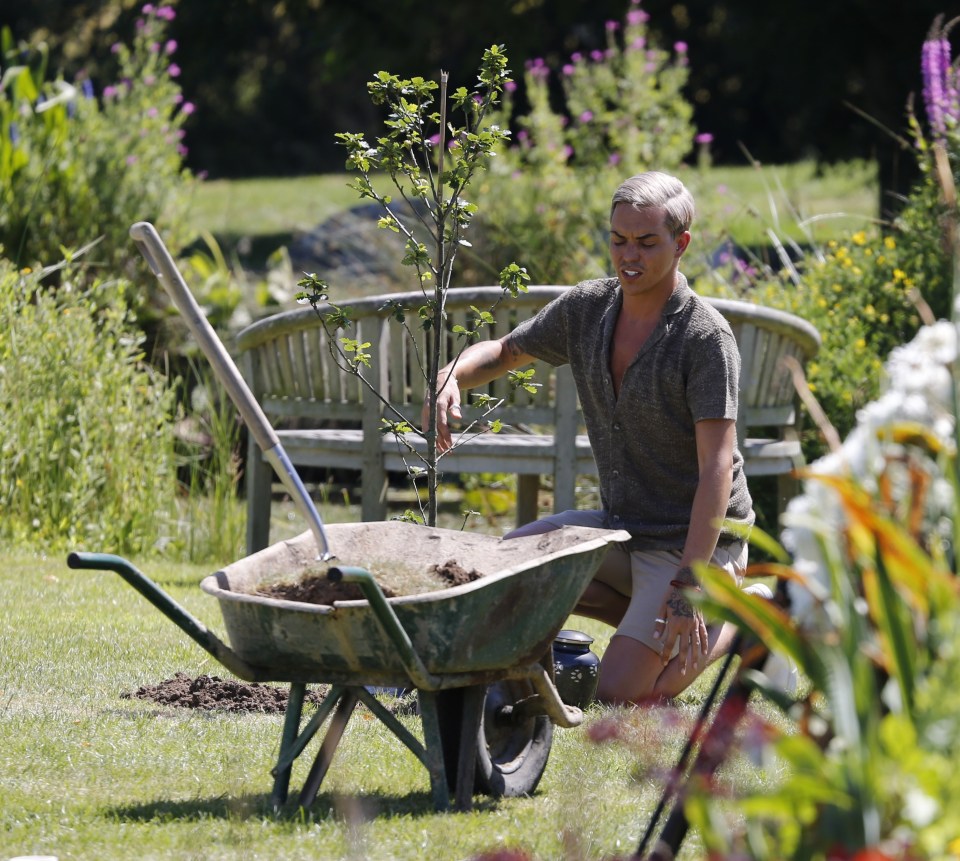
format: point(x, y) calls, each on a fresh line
point(460, 712)
point(433, 749)
point(291, 725)
point(338, 723)
point(473, 698)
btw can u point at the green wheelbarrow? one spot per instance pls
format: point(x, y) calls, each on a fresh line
point(478, 655)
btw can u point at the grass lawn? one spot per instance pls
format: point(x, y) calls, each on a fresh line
point(254, 217)
point(88, 774)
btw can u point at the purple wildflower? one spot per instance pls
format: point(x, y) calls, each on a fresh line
point(148, 9)
point(938, 94)
point(638, 44)
point(510, 86)
point(635, 17)
point(115, 48)
point(680, 47)
point(87, 87)
point(109, 92)
point(568, 69)
point(612, 26)
point(596, 56)
point(174, 70)
point(166, 12)
point(171, 46)
point(576, 57)
point(586, 116)
point(704, 138)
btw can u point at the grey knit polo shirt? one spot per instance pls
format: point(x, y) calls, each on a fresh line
point(644, 441)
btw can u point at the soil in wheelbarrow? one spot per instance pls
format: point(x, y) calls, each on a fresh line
point(211, 693)
point(314, 588)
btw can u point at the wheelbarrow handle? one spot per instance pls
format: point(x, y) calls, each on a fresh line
point(178, 614)
point(154, 251)
point(162, 265)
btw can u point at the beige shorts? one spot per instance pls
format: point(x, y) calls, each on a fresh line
point(642, 575)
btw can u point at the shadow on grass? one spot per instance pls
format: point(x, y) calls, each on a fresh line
point(326, 806)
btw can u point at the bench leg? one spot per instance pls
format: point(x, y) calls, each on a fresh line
point(258, 487)
point(528, 491)
point(373, 501)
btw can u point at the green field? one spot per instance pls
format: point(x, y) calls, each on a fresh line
point(253, 217)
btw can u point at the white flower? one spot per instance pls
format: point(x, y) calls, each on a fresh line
point(919, 391)
point(919, 809)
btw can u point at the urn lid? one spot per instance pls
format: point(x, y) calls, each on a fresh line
point(569, 637)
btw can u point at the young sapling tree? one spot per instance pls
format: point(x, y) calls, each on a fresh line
point(430, 162)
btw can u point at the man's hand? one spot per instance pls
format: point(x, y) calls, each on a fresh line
point(680, 623)
point(448, 403)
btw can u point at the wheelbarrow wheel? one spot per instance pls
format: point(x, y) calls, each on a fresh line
point(511, 750)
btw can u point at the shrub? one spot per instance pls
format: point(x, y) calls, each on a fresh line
point(86, 452)
point(74, 167)
point(623, 110)
point(855, 292)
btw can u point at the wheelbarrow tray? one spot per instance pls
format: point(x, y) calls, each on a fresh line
point(509, 617)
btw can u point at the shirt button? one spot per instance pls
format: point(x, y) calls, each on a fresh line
point(616, 426)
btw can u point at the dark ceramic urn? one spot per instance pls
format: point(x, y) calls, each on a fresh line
point(575, 668)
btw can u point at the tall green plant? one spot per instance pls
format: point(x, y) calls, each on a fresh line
point(431, 161)
point(86, 455)
point(212, 520)
point(75, 165)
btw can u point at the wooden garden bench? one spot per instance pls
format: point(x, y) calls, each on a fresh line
point(326, 418)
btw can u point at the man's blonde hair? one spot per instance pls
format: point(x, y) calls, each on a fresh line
point(654, 188)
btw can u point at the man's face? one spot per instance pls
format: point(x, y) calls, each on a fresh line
point(642, 250)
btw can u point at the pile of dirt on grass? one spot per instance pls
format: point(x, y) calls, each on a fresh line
point(212, 693)
point(315, 588)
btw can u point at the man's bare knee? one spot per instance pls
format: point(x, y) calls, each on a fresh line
point(628, 672)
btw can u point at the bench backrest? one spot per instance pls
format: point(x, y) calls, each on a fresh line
point(288, 362)
point(765, 336)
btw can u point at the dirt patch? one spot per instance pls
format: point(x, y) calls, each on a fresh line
point(215, 694)
point(455, 574)
point(315, 588)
